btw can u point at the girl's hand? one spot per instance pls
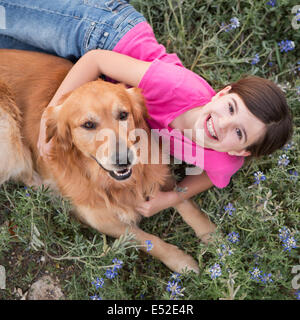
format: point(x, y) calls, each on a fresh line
point(161, 201)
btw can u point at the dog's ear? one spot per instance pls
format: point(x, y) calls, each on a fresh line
point(58, 128)
point(140, 113)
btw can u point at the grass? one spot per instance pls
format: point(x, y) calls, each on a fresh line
point(38, 236)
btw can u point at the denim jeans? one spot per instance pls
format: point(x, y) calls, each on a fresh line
point(66, 28)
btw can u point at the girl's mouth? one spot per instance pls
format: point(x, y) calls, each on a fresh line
point(210, 129)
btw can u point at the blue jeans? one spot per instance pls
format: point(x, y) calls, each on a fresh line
point(66, 28)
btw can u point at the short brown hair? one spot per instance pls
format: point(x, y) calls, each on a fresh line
point(265, 100)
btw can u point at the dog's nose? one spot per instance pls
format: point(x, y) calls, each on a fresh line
point(124, 159)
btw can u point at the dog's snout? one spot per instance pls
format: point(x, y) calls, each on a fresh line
point(124, 159)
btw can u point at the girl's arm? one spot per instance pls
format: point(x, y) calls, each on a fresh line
point(90, 66)
point(163, 200)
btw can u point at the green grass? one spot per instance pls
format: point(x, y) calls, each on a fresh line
point(38, 236)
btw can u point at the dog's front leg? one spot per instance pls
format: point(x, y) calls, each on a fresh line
point(106, 222)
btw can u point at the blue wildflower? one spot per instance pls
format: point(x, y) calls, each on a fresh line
point(117, 264)
point(95, 297)
point(233, 237)
point(271, 3)
point(266, 278)
point(256, 59)
point(294, 175)
point(289, 243)
point(297, 294)
point(176, 276)
point(98, 283)
point(286, 45)
point(229, 208)
point(284, 232)
point(255, 274)
point(283, 160)
point(234, 23)
point(259, 176)
point(110, 273)
point(215, 271)
point(149, 245)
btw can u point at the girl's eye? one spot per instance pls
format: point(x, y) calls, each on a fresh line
point(239, 133)
point(89, 125)
point(231, 110)
point(123, 115)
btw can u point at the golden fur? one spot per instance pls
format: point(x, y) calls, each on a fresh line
point(28, 80)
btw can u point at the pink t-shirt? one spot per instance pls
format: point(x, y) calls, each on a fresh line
point(169, 90)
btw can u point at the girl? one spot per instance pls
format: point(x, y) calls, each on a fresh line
point(109, 37)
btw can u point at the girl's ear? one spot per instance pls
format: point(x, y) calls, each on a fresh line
point(221, 92)
point(242, 153)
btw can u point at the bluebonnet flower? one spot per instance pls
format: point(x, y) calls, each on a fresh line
point(270, 63)
point(283, 160)
point(297, 294)
point(98, 283)
point(27, 193)
point(173, 286)
point(215, 271)
point(288, 146)
point(271, 3)
point(224, 251)
point(298, 15)
point(117, 264)
point(286, 45)
point(255, 274)
point(110, 273)
point(266, 278)
point(233, 237)
point(256, 59)
point(176, 276)
point(259, 176)
point(284, 232)
point(149, 245)
point(95, 297)
point(289, 243)
point(229, 208)
point(294, 175)
point(234, 23)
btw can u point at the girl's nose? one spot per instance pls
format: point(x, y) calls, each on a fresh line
point(224, 122)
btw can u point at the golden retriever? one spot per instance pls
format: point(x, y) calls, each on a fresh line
point(103, 193)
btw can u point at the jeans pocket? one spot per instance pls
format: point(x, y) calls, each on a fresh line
point(108, 5)
point(96, 37)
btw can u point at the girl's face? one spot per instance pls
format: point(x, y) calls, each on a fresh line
point(228, 124)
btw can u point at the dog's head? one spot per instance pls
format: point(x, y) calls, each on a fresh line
point(98, 120)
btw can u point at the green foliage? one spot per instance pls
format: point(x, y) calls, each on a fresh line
point(37, 234)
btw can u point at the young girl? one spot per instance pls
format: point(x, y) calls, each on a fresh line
point(109, 37)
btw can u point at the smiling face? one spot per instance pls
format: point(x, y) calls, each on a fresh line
point(227, 123)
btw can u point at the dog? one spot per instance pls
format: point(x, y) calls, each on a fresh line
point(104, 193)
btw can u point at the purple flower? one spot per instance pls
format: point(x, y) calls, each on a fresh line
point(259, 176)
point(271, 3)
point(110, 273)
point(149, 245)
point(98, 283)
point(215, 271)
point(289, 243)
point(233, 237)
point(229, 208)
point(286, 45)
point(255, 274)
point(256, 59)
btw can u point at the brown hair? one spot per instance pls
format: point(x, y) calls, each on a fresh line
point(266, 101)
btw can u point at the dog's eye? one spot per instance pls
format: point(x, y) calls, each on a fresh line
point(89, 125)
point(123, 115)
